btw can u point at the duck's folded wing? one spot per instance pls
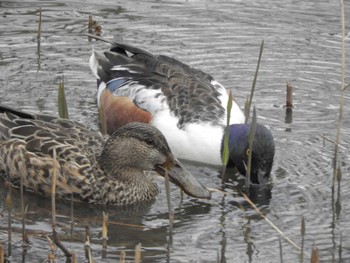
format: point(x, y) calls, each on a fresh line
point(27, 148)
point(157, 84)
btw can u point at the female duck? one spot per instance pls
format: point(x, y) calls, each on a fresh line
point(94, 170)
point(187, 105)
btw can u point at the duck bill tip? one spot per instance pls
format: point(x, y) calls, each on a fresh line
point(180, 176)
point(261, 177)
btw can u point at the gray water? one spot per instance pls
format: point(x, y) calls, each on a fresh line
point(302, 46)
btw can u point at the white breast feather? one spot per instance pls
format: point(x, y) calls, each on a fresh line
point(197, 141)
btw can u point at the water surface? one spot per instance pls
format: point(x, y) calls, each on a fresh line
point(302, 46)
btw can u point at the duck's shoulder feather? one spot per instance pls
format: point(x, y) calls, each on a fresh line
point(156, 83)
point(27, 148)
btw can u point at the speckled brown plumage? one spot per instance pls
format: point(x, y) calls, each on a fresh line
point(90, 168)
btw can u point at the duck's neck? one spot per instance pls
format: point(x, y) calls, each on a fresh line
point(124, 187)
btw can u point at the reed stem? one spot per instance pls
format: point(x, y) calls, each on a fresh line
point(281, 250)
point(251, 142)
point(122, 256)
point(269, 222)
point(104, 233)
point(138, 253)
point(87, 246)
point(56, 239)
point(226, 151)
point(62, 102)
point(25, 240)
point(9, 210)
point(2, 254)
point(302, 230)
point(171, 213)
point(52, 253)
point(250, 100)
point(39, 25)
point(342, 93)
point(289, 95)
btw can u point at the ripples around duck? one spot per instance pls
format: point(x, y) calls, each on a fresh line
point(302, 46)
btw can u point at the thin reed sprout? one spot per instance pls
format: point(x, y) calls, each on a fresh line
point(226, 150)
point(2, 254)
point(138, 253)
point(39, 25)
point(251, 142)
point(281, 250)
point(8, 202)
point(25, 240)
point(171, 212)
point(56, 239)
point(38, 38)
point(249, 101)
point(302, 232)
point(342, 93)
point(104, 233)
point(87, 246)
point(314, 255)
point(62, 102)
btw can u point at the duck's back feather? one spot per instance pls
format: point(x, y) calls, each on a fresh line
point(187, 105)
point(27, 146)
point(157, 82)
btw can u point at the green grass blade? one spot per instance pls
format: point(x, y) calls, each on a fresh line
point(225, 153)
point(39, 25)
point(62, 102)
point(247, 108)
point(302, 232)
point(251, 141)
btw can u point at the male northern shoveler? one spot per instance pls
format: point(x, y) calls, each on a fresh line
point(187, 105)
point(94, 170)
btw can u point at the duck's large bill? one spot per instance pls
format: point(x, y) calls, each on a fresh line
point(180, 176)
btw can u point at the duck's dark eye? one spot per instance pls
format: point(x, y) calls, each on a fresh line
point(149, 141)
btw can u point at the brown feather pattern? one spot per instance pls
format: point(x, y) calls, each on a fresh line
point(26, 150)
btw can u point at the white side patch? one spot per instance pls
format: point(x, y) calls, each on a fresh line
point(101, 88)
point(121, 68)
point(93, 62)
point(150, 100)
point(198, 142)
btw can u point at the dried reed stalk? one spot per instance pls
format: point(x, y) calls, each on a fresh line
point(87, 246)
point(25, 240)
point(8, 202)
point(104, 233)
point(138, 253)
point(56, 238)
point(62, 101)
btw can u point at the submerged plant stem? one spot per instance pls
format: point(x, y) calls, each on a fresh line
point(270, 223)
point(9, 209)
point(87, 246)
point(23, 209)
point(104, 233)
